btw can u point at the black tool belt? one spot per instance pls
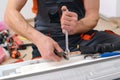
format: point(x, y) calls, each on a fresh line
point(101, 41)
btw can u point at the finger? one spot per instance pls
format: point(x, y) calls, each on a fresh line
point(68, 18)
point(64, 30)
point(52, 56)
point(56, 58)
point(70, 14)
point(65, 22)
point(66, 27)
point(67, 12)
point(64, 8)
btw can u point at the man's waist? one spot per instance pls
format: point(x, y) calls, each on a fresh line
point(55, 32)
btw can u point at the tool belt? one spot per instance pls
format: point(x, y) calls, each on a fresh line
point(99, 41)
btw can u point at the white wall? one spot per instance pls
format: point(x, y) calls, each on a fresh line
point(110, 8)
point(2, 8)
point(26, 11)
point(118, 8)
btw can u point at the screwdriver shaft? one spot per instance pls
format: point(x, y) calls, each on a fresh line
point(66, 42)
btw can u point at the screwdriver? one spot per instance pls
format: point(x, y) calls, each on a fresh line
point(67, 51)
point(64, 54)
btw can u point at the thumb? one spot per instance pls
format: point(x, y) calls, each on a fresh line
point(64, 8)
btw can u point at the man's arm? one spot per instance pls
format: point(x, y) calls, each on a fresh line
point(69, 19)
point(17, 22)
point(91, 15)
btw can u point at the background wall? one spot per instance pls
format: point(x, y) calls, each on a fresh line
point(2, 8)
point(118, 8)
point(26, 11)
point(109, 8)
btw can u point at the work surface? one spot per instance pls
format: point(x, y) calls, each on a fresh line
point(102, 25)
point(74, 69)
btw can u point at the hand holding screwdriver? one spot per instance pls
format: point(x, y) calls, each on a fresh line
point(67, 51)
point(69, 21)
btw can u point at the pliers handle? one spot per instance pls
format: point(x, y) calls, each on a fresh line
point(62, 54)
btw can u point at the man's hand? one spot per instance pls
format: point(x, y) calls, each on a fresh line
point(69, 21)
point(47, 46)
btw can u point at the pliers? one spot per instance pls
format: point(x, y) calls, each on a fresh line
point(62, 54)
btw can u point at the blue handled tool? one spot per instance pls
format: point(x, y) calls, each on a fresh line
point(103, 55)
point(109, 54)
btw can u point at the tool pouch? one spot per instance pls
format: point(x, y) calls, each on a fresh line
point(99, 42)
